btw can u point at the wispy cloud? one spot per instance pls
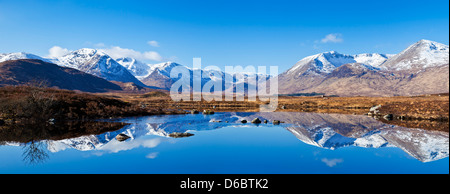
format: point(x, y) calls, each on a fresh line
point(152, 155)
point(332, 162)
point(100, 45)
point(153, 43)
point(333, 38)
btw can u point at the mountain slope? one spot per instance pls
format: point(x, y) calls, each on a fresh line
point(26, 71)
point(311, 71)
point(325, 63)
point(422, 68)
point(421, 55)
point(137, 68)
point(97, 63)
point(356, 79)
point(159, 76)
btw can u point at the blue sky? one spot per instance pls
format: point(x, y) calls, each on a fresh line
point(221, 32)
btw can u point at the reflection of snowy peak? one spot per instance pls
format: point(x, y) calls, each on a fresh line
point(428, 146)
point(330, 139)
point(142, 131)
point(329, 131)
point(333, 131)
point(423, 145)
point(325, 138)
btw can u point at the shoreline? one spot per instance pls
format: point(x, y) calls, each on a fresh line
point(41, 105)
point(425, 107)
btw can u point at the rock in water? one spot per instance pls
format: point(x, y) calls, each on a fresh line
point(388, 117)
point(178, 135)
point(122, 137)
point(256, 121)
point(208, 112)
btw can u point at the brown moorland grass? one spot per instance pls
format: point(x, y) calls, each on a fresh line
point(28, 103)
point(425, 107)
point(33, 103)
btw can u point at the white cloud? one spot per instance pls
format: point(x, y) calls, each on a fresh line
point(57, 51)
point(152, 155)
point(153, 43)
point(118, 52)
point(99, 45)
point(334, 38)
point(332, 162)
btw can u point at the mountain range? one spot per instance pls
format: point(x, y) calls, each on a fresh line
point(422, 68)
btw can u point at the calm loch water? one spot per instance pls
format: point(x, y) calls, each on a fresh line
point(305, 143)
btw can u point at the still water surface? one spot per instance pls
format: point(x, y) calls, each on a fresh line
point(305, 143)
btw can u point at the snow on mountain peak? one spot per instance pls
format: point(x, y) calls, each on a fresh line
point(328, 61)
point(19, 55)
point(165, 65)
point(428, 45)
point(79, 59)
point(420, 55)
point(164, 68)
point(97, 63)
point(137, 68)
point(372, 59)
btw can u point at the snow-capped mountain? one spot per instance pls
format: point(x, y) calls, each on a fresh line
point(422, 68)
point(20, 55)
point(421, 55)
point(374, 59)
point(97, 63)
point(325, 63)
point(165, 68)
point(137, 68)
point(158, 75)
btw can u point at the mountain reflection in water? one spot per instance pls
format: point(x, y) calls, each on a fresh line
point(328, 131)
point(35, 138)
